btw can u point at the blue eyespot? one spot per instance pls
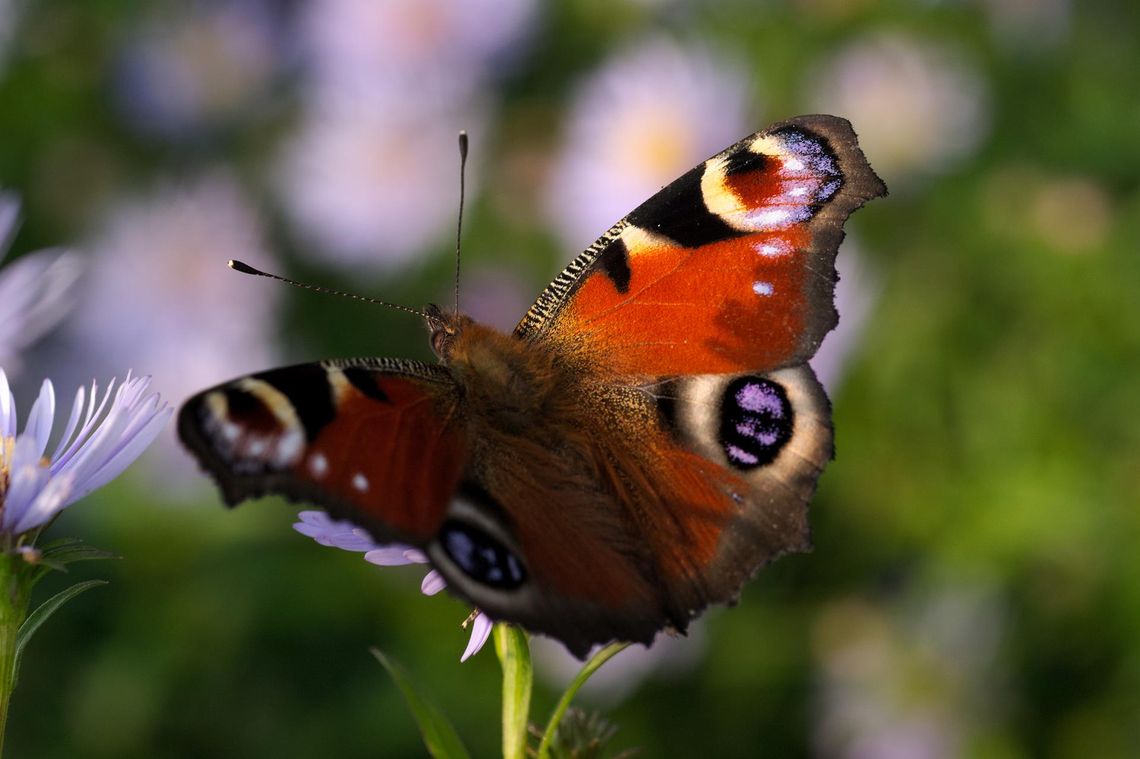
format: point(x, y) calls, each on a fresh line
point(480, 556)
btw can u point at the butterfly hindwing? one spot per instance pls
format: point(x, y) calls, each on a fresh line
point(729, 268)
point(374, 440)
point(667, 499)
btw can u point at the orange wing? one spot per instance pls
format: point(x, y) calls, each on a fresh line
point(729, 268)
point(375, 441)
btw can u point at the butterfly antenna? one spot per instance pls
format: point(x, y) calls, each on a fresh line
point(245, 268)
point(459, 224)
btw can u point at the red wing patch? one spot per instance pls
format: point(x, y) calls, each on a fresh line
point(377, 442)
point(729, 268)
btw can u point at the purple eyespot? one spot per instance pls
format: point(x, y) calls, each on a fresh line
point(755, 421)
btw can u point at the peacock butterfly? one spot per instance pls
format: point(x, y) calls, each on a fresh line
point(646, 439)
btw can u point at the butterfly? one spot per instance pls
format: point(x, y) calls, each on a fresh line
point(645, 440)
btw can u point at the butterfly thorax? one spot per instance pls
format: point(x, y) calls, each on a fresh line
point(505, 382)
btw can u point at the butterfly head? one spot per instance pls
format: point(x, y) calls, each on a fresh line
point(446, 327)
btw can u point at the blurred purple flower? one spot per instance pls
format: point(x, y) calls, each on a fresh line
point(495, 296)
point(97, 444)
point(198, 67)
point(918, 680)
point(163, 296)
point(368, 186)
point(646, 117)
point(917, 105)
point(345, 535)
point(388, 86)
point(36, 291)
point(409, 54)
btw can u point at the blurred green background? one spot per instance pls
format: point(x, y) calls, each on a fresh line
point(975, 586)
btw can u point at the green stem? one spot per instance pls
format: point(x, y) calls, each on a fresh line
point(589, 668)
point(13, 610)
point(513, 650)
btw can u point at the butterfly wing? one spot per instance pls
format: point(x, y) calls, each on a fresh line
point(730, 268)
point(701, 432)
point(654, 504)
point(376, 441)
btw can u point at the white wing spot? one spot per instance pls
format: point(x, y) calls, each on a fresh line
point(230, 432)
point(360, 482)
point(770, 218)
point(318, 465)
point(256, 447)
point(762, 288)
point(289, 448)
point(773, 249)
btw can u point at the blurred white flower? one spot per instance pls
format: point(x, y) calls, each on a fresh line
point(409, 53)
point(917, 105)
point(916, 681)
point(163, 297)
point(36, 291)
point(365, 186)
point(198, 67)
point(344, 535)
point(97, 444)
point(647, 116)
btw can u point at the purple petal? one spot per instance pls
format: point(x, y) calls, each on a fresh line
point(334, 533)
point(480, 631)
point(72, 421)
point(355, 539)
point(433, 583)
point(7, 409)
point(389, 556)
point(25, 480)
point(39, 421)
point(49, 501)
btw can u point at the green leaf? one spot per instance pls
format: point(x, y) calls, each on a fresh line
point(439, 736)
point(55, 556)
point(589, 668)
point(66, 554)
point(518, 676)
point(41, 614)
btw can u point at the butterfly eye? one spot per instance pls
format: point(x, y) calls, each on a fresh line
point(755, 421)
point(480, 556)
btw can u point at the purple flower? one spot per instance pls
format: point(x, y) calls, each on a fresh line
point(410, 53)
point(345, 535)
point(918, 105)
point(99, 441)
point(201, 66)
point(36, 291)
point(164, 255)
point(361, 182)
point(647, 116)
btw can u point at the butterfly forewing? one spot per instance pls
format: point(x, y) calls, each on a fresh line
point(730, 268)
point(377, 441)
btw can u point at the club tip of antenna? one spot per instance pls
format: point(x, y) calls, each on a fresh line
point(244, 268)
point(463, 142)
